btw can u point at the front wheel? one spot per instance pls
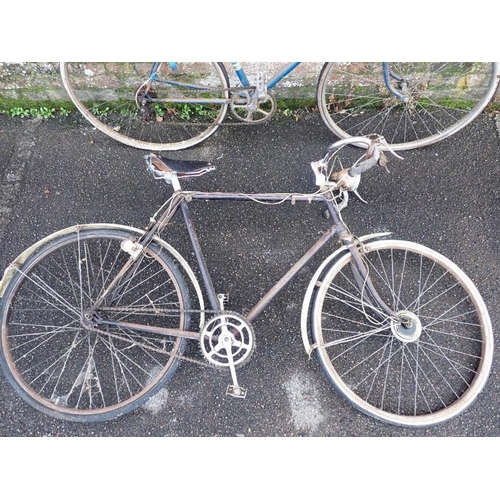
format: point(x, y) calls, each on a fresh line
point(55, 352)
point(426, 366)
point(154, 106)
point(429, 101)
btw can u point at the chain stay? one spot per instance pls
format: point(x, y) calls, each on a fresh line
point(161, 351)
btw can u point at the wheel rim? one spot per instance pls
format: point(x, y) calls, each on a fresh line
point(59, 362)
point(422, 376)
point(442, 99)
point(107, 95)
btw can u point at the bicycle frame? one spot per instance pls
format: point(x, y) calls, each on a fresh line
point(245, 82)
point(181, 201)
point(336, 229)
point(388, 75)
point(242, 76)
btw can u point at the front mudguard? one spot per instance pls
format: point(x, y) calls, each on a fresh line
point(313, 284)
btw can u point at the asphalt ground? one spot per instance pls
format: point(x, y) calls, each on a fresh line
point(59, 172)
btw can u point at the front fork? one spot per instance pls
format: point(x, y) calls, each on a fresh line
point(388, 76)
point(364, 283)
point(353, 245)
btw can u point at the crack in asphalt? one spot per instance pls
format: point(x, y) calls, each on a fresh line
point(11, 182)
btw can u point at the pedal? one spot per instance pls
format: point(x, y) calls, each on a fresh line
point(261, 86)
point(223, 299)
point(236, 392)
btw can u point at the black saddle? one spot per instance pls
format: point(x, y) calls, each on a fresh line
point(183, 168)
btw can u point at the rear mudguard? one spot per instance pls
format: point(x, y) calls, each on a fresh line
point(311, 289)
point(23, 257)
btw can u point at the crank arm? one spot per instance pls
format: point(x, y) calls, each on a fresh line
point(233, 390)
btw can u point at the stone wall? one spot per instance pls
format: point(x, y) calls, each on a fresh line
point(31, 81)
point(40, 81)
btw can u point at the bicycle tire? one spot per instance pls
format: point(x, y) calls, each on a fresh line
point(112, 97)
point(416, 376)
point(442, 98)
point(83, 373)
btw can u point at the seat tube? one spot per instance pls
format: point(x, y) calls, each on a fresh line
point(240, 73)
point(154, 69)
point(195, 243)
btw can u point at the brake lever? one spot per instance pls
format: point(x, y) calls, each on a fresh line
point(382, 161)
point(383, 143)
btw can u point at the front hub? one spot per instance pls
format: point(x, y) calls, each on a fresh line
point(409, 329)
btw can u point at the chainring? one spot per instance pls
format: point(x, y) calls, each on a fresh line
point(245, 109)
point(227, 329)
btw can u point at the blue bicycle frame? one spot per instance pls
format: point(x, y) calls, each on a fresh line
point(388, 74)
point(242, 77)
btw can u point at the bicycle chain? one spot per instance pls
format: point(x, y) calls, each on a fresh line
point(158, 310)
point(160, 351)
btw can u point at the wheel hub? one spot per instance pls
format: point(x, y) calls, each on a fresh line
point(90, 319)
point(409, 329)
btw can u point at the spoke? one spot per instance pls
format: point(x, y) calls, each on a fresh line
point(416, 374)
point(442, 376)
point(374, 371)
point(60, 301)
point(389, 281)
point(452, 322)
point(355, 303)
point(354, 337)
point(377, 369)
point(63, 355)
point(125, 363)
point(88, 374)
point(444, 353)
point(36, 336)
point(440, 319)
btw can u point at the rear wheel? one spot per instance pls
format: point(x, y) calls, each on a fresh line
point(421, 370)
point(440, 99)
point(57, 354)
point(153, 106)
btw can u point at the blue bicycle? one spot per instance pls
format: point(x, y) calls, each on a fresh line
point(175, 105)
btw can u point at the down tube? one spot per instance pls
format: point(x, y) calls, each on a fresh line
point(261, 305)
point(282, 75)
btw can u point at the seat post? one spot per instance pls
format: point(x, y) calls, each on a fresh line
point(176, 185)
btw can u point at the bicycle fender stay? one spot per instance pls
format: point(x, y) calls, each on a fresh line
point(306, 304)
